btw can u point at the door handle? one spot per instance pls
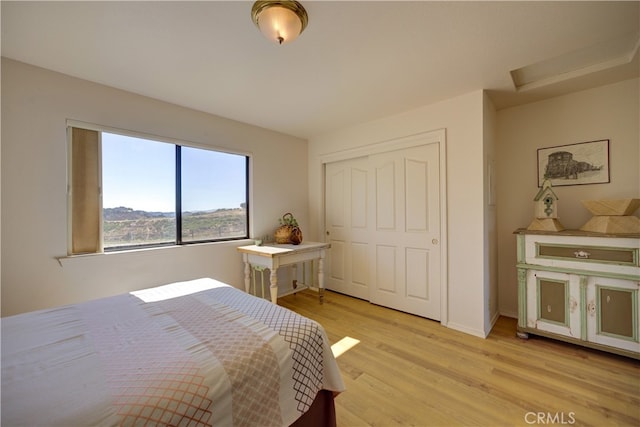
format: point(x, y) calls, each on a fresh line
point(435, 241)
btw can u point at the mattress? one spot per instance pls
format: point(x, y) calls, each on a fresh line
point(189, 353)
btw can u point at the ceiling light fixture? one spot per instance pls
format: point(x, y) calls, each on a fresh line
point(279, 21)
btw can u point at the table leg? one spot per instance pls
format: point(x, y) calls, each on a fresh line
point(247, 273)
point(321, 276)
point(294, 271)
point(273, 285)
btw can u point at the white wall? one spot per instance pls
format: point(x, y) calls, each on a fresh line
point(35, 105)
point(607, 112)
point(37, 102)
point(462, 119)
point(490, 215)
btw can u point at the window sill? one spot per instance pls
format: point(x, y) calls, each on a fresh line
point(70, 260)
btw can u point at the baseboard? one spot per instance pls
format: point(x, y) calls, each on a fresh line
point(466, 329)
point(493, 321)
point(511, 314)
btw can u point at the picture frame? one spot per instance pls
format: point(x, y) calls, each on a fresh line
point(575, 164)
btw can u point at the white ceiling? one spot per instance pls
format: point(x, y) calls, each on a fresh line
point(356, 61)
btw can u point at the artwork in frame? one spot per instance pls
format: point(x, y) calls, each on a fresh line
point(574, 164)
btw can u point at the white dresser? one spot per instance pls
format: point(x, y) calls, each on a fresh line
point(580, 287)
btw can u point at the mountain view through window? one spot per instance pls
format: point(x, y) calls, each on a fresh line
point(156, 193)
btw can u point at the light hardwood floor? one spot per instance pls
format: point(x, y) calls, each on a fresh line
point(410, 371)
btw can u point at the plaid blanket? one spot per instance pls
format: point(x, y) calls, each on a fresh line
point(188, 353)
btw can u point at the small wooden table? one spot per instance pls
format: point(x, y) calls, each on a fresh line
point(276, 255)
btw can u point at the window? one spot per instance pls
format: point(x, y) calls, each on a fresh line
point(138, 191)
point(153, 193)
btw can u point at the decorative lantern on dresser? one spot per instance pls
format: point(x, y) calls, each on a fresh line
point(581, 286)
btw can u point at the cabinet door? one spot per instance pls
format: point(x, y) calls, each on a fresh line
point(612, 312)
point(552, 302)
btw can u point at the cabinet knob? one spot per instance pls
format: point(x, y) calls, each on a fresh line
point(582, 254)
point(591, 308)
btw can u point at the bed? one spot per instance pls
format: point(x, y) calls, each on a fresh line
point(189, 353)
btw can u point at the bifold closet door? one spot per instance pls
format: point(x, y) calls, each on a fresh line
point(383, 223)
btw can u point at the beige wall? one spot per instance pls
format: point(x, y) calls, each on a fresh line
point(490, 230)
point(462, 118)
point(35, 105)
point(607, 112)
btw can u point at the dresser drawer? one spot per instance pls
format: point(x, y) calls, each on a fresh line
point(608, 255)
point(589, 254)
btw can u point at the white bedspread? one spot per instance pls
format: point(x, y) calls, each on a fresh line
point(189, 353)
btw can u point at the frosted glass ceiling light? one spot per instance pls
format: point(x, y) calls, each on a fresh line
point(279, 21)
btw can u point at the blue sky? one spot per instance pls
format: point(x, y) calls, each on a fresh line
point(140, 174)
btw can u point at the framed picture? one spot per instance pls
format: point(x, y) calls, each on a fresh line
point(574, 164)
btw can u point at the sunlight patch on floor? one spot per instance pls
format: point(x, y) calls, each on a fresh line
point(343, 345)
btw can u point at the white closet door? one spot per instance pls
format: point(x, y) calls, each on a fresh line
point(383, 223)
point(405, 237)
point(348, 227)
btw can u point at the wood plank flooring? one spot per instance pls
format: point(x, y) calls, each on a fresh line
point(410, 371)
